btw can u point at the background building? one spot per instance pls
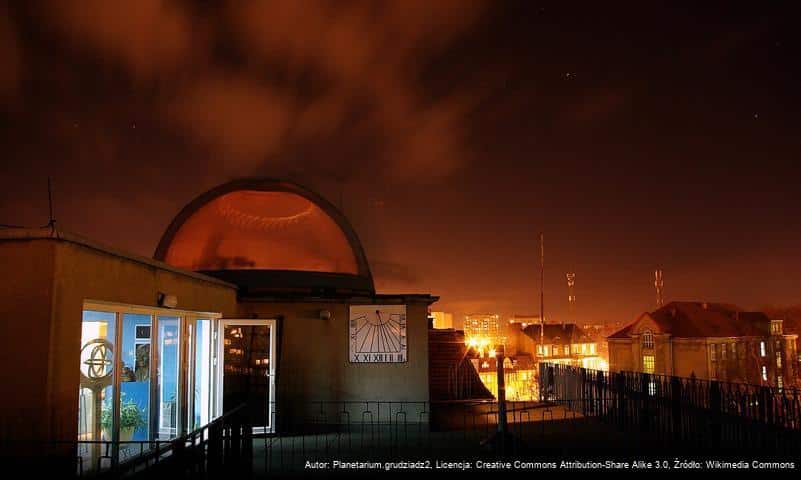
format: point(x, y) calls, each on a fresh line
point(709, 341)
point(441, 320)
point(563, 343)
point(484, 331)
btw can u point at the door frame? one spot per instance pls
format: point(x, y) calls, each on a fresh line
point(271, 371)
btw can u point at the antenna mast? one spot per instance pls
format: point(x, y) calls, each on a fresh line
point(542, 288)
point(51, 220)
point(659, 283)
point(571, 296)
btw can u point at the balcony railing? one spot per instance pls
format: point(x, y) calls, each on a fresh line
point(681, 412)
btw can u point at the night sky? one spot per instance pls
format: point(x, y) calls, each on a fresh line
point(635, 136)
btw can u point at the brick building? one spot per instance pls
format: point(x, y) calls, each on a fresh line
point(708, 341)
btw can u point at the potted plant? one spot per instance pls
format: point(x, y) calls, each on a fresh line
point(131, 418)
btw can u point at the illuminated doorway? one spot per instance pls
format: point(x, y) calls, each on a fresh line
point(248, 350)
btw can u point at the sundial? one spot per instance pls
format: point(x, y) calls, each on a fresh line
point(378, 334)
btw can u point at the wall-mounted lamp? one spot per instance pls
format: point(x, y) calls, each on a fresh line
point(167, 301)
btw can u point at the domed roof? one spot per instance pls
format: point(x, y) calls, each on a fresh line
point(267, 234)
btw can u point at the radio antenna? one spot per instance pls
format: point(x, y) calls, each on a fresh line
point(52, 219)
point(542, 288)
point(659, 283)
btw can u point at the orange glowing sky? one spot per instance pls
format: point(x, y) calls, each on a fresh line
point(451, 132)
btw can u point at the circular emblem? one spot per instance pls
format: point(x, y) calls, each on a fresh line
point(97, 362)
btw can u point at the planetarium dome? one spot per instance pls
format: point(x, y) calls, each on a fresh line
point(268, 235)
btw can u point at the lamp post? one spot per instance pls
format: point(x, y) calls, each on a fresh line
point(502, 426)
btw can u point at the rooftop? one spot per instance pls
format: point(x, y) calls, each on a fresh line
point(703, 319)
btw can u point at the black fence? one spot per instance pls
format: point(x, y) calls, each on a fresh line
point(381, 433)
point(223, 445)
point(681, 413)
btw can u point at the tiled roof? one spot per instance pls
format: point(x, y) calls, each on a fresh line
point(565, 333)
point(699, 320)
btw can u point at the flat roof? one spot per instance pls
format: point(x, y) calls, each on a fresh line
point(23, 234)
point(355, 298)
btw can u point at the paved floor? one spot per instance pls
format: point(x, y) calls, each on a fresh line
point(541, 433)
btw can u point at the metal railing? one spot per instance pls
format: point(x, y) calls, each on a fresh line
point(225, 443)
point(681, 412)
point(389, 431)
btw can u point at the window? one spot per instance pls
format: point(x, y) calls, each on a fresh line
point(96, 389)
point(135, 379)
point(555, 350)
point(713, 352)
point(779, 382)
point(592, 348)
point(201, 378)
point(762, 349)
point(648, 363)
point(131, 386)
point(775, 327)
point(778, 359)
point(647, 339)
point(539, 349)
point(764, 373)
point(723, 352)
point(567, 349)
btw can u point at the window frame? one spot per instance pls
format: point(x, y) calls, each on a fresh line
point(647, 339)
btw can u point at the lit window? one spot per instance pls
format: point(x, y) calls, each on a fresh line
point(592, 348)
point(778, 360)
point(647, 339)
point(764, 373)
point(723, 352)
point(775, 327)
point(555, 350)
point(539, 349)
point(547, 350)
point(779, 382)
point(762, 349)
point(567, 349)
point(648, 363)
point(713, 352)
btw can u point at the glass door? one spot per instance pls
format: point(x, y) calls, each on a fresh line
point(247, 349)
point(200, 387)
point(168, 391)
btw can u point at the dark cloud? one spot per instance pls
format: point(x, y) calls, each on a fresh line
point(250, 107)
point(148, 37)
point(448, 131)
